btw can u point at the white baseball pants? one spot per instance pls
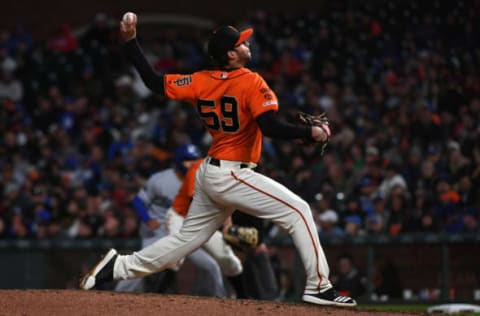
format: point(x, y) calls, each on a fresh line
point(148, 238)
point(218, 192)
point(209, 280)
point(216, 246)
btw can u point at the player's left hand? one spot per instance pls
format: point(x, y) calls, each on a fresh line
point(320, 128)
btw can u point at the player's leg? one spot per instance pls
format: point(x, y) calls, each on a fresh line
point(209, 280)
point(203, 220)
point(148, 238)
point(174, 222)
point(261, 196)
point(224, 255)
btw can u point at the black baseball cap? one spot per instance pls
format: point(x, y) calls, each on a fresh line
point(225, 38)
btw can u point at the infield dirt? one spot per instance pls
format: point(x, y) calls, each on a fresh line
point(76, 302)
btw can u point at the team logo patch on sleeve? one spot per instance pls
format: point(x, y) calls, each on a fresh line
point(183, 81)
point(272, 102)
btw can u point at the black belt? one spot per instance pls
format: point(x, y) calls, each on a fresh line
point(216, 162)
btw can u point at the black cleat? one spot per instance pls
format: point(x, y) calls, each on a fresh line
point(329, 297)
point(102, 272)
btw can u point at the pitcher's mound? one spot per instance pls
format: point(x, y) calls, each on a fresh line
point(76, 302)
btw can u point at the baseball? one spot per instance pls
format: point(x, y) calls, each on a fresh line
point(129, 17)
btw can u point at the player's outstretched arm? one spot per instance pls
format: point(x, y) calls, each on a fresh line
point(142, 211)
point(274, 127)
point(128, 33)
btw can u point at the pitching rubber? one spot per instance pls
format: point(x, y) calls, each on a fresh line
point(88, 281)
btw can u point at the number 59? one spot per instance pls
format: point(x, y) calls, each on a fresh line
point(229, 122)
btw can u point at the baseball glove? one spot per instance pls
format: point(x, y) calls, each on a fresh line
point(321, 121)
point(241, 238)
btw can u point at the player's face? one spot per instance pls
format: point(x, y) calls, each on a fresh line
point(188, 163)
point(243, 52)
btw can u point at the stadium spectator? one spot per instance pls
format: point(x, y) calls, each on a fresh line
point(64, 41)
point(367, 189)
point(328, 224)
point(392, 179)
point(347, 278)
point(353, 226)
point(375, 225)
point(390, 93)
point(11, 88)
point(397, 205)
point(352, 208)
point(387, 280)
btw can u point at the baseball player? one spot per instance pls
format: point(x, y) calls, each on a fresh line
point(237, 107)
point(152, 203)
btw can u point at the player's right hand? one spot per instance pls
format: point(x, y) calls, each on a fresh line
point(153, 223)
point(128, 31)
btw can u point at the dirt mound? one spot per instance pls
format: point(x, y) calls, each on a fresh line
point(76, 302)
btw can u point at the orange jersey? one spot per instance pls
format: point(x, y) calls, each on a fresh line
point(228, 104)
point(185, 194)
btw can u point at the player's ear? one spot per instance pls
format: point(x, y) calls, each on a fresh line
point(232, 54)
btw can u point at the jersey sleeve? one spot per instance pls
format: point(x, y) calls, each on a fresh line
point(262, 98)
point(180, 87)
point(140, 207)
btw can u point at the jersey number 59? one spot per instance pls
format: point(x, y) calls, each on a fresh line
point(228, 121)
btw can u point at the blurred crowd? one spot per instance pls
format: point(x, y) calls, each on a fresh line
point(399, 81)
